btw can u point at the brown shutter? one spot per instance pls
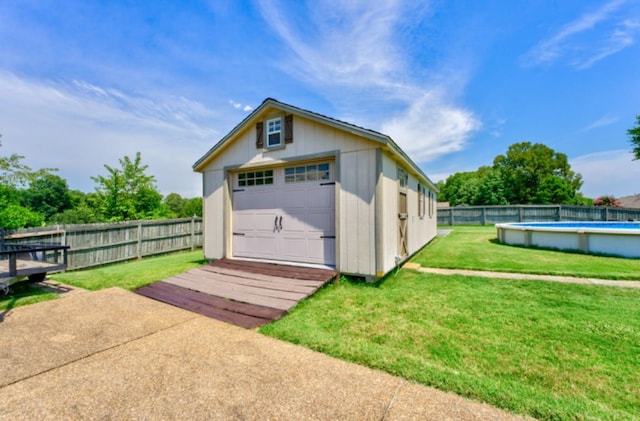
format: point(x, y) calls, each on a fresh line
point(260, 135)
point(288, 129)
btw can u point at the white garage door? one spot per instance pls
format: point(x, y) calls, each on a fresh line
point(285, 214)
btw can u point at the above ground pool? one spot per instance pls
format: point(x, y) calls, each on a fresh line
point(609, 238)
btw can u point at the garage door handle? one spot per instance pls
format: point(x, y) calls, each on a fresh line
point(280, 229)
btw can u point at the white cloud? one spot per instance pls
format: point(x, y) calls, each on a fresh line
point(79, 127)
point(239, 106)
point(351, 50)
point(601, 122)
point(577, 43)
point(431, 128)
point(345, 43)
point(610, 172)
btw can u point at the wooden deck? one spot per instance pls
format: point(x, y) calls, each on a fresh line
point(28, 267)
point(248, 294)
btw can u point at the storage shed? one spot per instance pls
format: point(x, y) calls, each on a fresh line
point(292, 186)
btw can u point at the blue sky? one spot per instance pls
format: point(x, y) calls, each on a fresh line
point(84, 83)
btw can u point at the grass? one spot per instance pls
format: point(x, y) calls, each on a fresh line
point(477, 248)
point(134, 274)
point(130, 275)
point(22, 294)
point(549, 350)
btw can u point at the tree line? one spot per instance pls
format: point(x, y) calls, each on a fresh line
point(31, 198)
point(526, 174)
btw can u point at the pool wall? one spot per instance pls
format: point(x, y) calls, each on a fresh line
point(588, 238)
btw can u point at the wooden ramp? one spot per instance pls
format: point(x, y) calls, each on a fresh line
point(247, 294)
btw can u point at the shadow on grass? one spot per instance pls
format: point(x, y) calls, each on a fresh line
point(16, 292)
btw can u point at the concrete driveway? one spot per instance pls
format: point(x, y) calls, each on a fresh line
point(113, 354)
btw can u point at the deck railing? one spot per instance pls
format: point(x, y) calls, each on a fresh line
point(488, 215)
point(99, 244)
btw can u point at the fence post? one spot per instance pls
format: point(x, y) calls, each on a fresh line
point(139, 246)
point(520, 213)
point(606, 213)
point(451, 219)
point(2, 234)
point(559, 213)
point(484, 216)
point(193, 233)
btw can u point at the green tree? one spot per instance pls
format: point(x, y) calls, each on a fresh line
point(461, 188)
point(555, 190)
point(85, 209)
point(634, 134)
point(15, 216)
point(47, 195)
point(490, 188)
point(192, 207)
point(175, 203)
point(128, 193)
point(525, 167)
point(16, 174)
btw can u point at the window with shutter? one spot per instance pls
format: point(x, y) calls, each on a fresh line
point(288, 129)
point(274, 132)
point(259, 135)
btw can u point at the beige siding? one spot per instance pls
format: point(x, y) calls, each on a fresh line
point(357, 212)
point(310, 138)
point(419, 230)
point(213, 214)
point(389, 216)
point(366, 201)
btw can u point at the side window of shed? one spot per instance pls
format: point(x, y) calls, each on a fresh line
point(432, 197)
point(421, 200)
point(403, 179)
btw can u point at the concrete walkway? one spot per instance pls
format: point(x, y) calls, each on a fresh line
point(112, 354)
point(525, 276)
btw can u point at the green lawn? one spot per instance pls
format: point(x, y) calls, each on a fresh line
point(129, 275)
point(133, 274)
point(549, 350)
point(476, 247)
point(21, 294)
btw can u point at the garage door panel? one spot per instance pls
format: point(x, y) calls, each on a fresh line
point(244, 222)
point(294, 248)
point(294, 222)
point(265, 222)
point(321, 198)
point(294, 198)
point(320, 250)
point(308, 214)
point(322, 222)
point(264, 247)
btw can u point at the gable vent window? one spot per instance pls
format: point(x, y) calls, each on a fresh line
point(274, 132)
point(255, 178)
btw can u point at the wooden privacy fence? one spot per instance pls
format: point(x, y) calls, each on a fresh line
point(483, 215)
point(99, 244)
